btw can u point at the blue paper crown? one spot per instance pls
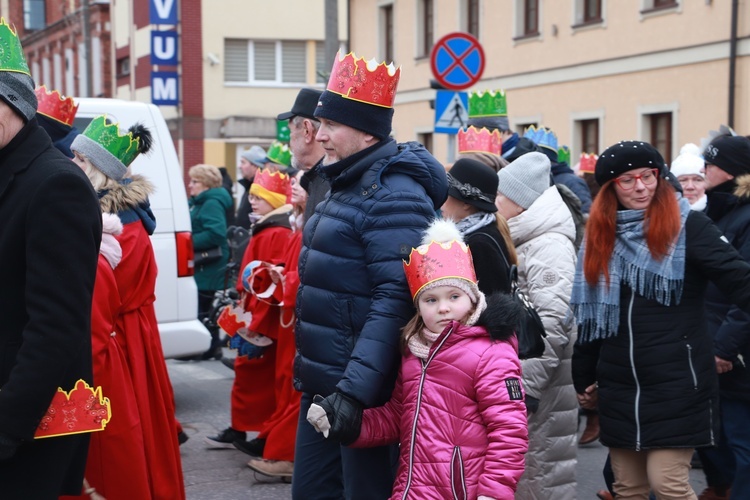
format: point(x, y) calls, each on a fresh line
point(542, 137)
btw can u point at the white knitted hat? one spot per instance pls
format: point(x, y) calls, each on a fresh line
point(525, 179)
point(689, 161)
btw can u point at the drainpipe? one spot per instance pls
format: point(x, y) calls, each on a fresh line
point(732, 62)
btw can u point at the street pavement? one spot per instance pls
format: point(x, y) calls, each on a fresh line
point(202, 397)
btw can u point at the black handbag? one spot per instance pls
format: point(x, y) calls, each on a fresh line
point(203, 257)
point(530, 331)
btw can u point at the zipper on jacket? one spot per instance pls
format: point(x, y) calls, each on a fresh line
point(635, 374)
point(425, 364)
point(462, 477)
point(692, 368)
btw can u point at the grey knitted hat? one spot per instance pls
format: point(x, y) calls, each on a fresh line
point(17, 90)
point(524, 180)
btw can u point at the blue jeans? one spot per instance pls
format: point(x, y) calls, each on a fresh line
point(323, 469)
point(735, 417)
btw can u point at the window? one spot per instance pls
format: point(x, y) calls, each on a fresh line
point(322, 67)
point(472, 17)
point(652, 5)
point(123, 67)
point(426, 140)
point(530, 18)
point(590, 136)
point(426, 28)
point(660, 133)
point(265, 61)
point(386, 30)
point(34, 15)
point(592, 11)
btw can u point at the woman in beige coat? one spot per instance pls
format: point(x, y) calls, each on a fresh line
point(543, 232)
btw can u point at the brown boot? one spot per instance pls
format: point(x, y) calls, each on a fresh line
point(591, 432)
point(604, 495)
point(712, 493)
point(272, 468)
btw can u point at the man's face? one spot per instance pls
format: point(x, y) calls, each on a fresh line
point(10, 124)
point(297, 137)
point(248, 169)
point(340, 141)
point(715, 176)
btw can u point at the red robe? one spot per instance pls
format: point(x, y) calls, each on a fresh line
point(280, 430)
point(138, 332)
point(253, 393)
point(116, 464)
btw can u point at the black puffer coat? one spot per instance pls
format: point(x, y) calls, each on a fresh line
point(657, 379)
point(729, 208)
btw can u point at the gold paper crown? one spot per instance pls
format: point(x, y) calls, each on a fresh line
point(436, 261)
point(55, 106)
point(365, 81)
point(83, 409)
point(474, 140)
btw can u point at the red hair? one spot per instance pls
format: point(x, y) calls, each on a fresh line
point(661, 225)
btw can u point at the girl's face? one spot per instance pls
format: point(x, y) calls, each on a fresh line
point(507, 207)
point(80, 161)
point(693, 186)
point(635, 188)
point(260, 206)
point(440, 305)
point(299, 195)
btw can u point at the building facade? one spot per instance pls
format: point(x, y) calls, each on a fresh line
point(595, 71)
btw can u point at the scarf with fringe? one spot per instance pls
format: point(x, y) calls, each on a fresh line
point(597, 308)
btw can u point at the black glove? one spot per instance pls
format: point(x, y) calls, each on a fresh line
point(343, 414)
point(8, 446)
point(532, 404)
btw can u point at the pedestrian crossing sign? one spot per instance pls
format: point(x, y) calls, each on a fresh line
point(451, 111)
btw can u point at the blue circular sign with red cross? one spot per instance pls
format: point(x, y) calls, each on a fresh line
point(457, 61)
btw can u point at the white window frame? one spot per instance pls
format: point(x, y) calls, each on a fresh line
point(577, 23)
point(277, 81)
point(575, 122)
point(644, 123)
point(518, 25)
point(647, 5)
point(382, 28)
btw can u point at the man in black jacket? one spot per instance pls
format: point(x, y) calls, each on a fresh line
point(49, 245)
point(250, 161)
point(728, 189)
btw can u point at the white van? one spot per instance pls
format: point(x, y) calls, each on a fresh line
point(176, 293)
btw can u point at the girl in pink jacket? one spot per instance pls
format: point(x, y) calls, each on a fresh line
point(458, 406)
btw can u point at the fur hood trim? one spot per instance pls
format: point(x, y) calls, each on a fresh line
point(126, 195)
point(502, 316)
point(743, 186)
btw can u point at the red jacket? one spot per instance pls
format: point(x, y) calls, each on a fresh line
point(459, 416)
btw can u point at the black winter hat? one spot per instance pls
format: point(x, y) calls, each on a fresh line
point(474, 183)
point(729, 153)
point(524, 145)
point(304, 105)
point(627, 155)
point(368, 118)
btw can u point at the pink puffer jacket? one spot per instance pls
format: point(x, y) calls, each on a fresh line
point(459, 416)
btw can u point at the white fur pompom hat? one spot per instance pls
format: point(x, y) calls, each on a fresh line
point(688, 162)
point(443, 259)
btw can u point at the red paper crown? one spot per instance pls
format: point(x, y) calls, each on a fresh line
point(436, 261)
point(479, 140)
point(81, 410)
point(587, 163)
point(364, 81)
point(53, 105)
point(276, 182)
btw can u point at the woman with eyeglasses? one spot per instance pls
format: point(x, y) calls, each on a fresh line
point(644, 356)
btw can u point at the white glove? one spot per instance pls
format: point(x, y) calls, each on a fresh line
point(318, 418)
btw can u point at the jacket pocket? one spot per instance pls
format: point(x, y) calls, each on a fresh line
point(458, 481)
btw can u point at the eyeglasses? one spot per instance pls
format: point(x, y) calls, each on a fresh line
point(627, 182)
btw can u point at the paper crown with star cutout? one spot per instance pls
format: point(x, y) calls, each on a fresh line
point(272, 186)
point(479, 140)
point(11, 52)
point(81, 410)
point(280, 154)
point(55, 106)
point(364, 81)
point(587, 163)
point(542, 137)
point(489, 109)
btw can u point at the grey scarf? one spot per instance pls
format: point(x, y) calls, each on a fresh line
point(475, 221)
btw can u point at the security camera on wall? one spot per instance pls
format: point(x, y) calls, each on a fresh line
point(213, 59)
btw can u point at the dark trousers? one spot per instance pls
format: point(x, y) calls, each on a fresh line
point(323, 469)
point(729, 464)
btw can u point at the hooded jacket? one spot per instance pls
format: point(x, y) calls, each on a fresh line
point(563, 174)
point(209, 223)
point(353, 298)
point(729, 208)
point(459, 415)
point(544, 236)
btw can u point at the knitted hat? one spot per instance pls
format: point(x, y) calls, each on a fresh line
point(360, 94)
point(688, 162)
point(474, 183)
point(523, 145)
point(255, 155)
point(271, 186)
point(107, 150)
point(304, 105)
point(729, 153)
point(16, 84)
point(443, 259)
point(624, 156)
point(524, 180)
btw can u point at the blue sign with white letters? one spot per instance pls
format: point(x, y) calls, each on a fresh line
point(164, 48)
point(165, 88)
point(162, 11)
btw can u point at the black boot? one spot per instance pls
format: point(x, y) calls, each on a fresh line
point(214, 351)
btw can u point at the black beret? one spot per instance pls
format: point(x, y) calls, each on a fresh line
point(627, 155)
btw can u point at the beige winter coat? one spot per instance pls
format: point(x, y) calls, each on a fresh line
point(544, 236)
